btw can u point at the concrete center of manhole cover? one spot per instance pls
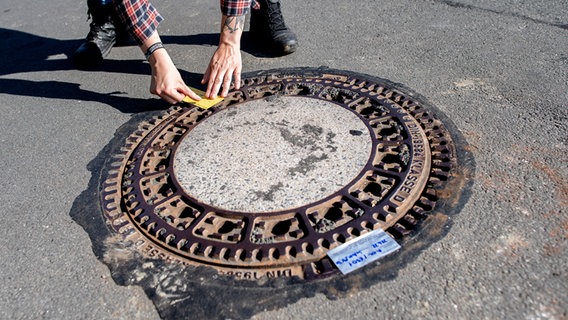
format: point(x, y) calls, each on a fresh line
point(272, 154)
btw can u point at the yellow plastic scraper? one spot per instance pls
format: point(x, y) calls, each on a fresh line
point(204, 103)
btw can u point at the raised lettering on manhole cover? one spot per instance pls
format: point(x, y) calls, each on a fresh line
point(283, 170)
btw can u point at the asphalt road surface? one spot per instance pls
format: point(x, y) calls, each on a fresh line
point(497, 69)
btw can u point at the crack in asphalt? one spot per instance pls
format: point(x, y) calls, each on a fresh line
point(501, 12)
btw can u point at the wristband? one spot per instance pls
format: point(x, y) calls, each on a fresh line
point(153, 48)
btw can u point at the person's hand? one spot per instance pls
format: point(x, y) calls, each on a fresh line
point(166, 80)
point(225, 65)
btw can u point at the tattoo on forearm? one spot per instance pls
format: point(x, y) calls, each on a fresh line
point(234, 23)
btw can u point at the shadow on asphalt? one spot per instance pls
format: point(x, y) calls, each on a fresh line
point(32, 53)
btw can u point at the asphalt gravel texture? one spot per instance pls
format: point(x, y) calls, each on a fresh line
point(497, 69)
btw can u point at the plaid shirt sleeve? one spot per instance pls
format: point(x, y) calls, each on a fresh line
point(142, 19)
point(139, 16)
point(237, 7)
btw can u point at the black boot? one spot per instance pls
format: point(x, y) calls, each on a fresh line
point(101, 37)
point(268, 28)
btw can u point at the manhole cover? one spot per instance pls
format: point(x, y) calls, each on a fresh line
point(292, 165)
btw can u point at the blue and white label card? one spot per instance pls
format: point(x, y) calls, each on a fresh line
point(362, 250)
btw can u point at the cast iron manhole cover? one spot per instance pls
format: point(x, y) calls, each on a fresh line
point(290, 166)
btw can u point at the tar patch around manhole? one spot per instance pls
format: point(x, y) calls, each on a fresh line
point(413, 175)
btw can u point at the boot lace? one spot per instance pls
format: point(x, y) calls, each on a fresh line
point(275, 18)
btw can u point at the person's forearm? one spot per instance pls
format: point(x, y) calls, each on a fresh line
point(159, 59)
point(232, 30)
point(146, 44)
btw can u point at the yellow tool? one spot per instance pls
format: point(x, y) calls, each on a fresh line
point(204, 103)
